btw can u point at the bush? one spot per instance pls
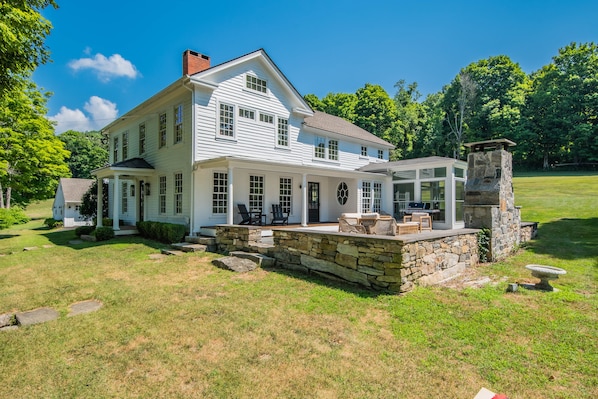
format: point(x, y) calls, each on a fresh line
point(83, 230)
point(51, 223)
point(103, 233)
point(484, 241)
point(11, 216)
point(164, 232)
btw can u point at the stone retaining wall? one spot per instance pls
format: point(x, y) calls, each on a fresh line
point(390, 264)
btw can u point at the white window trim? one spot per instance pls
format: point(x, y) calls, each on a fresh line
point(279, 146)
point(217, 215)
point(244, 118)
point(273, 124)
point(327, 150)
point(259, 93)
point(235, 116)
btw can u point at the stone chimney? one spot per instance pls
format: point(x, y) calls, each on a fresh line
point(489, 197)
point(194, 62)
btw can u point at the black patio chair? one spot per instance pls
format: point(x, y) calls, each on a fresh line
point(249, 217)
point(278, 216)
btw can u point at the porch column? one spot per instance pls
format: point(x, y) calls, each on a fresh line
point(100, 204)
point(304, 200)
point(115, 204)
point(230, 203)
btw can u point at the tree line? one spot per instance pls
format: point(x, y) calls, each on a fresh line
point(551, 114)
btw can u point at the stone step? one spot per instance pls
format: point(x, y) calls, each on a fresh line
point(201, 240)
point(257, 258)
point(189, 247)
point(170, 251)
point(236, 264)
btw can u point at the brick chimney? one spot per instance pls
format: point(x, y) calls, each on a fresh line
point(194, 62)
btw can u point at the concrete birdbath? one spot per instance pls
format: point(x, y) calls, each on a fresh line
point(545, 273)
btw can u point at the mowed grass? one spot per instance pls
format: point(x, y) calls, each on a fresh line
point(179, 327)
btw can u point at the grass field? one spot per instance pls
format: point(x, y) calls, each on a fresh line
point(179, 327)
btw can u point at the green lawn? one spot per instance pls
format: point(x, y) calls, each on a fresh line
point(179, 327)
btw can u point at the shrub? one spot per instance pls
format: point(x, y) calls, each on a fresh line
point(164, 232)
point(51, 223)
point(83, 230)
point(19, 215)
point(106, 222)
point(484, 241)
point(11, 216)
point(104, 233)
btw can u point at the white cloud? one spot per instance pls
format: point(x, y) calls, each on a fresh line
point(100, 112)
point(107, 67)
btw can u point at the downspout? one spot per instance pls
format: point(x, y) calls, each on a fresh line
point(193, 144)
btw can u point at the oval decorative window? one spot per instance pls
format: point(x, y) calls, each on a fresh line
point(342, 193)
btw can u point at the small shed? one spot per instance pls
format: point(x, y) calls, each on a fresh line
point(68, 201)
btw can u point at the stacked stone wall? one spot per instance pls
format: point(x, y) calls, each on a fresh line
point(381, 263)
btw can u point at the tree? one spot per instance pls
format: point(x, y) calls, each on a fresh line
point(88, 152)
point(411, 118)
point(22, 34)
point(375, 111)
point(458, 101)
point(32, 158)
point(89, 202)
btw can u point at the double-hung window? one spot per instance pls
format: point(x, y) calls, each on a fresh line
point(333, 150)
point(178, 124)
point(162, 195)
point(366, 196)
point(364, 151)
point(220, 193)
point(142, 138)
point(178, 193)
point(283, 132)
point(162, 130)
point(125, 145)
point(320, 148)
point(115, 150)
point(326, 148)
point(227, 120)
point(380, 154)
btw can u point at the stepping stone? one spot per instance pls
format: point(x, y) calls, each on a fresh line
point(201, 240)
point(83, 307)
point(261, 260)
point(235, 264)
point(75, 242)
point(188, 247)
point(47, 246)
point(175, 252)
point(6, 320)
point(36, 316)
point(30, 248)
point(157, 256)
point(9, 328)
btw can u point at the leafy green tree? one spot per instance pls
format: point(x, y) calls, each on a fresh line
point(314, 102)
point(411, 119)
point(22, 34)
point(375, 111)
point(32, 158)
point(88, 152)
point(431, 138)
point(341, 105)
point(89, 202)
point(458, 101)
point(560, 124)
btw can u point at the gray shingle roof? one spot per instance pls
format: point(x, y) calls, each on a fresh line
point(73, 189)
point(334, 124)
point(134, 163)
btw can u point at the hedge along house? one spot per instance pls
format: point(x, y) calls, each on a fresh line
point(238, 132)
point(437, 183)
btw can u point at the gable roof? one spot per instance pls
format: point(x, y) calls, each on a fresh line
point(73, 189)
point(301, 105)
point(334, 124)
point(134, 163)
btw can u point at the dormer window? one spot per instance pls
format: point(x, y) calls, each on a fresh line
point(256, 84)
point(380, 154)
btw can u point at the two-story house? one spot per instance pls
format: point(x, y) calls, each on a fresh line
point(238, 132)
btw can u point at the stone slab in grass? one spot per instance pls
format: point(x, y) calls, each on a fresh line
point(47, 246)
point(30, 248)
point(75, 242)
point(9, 328)
point(157, 256)
point(83, 307)
point(36, 316)
point(6, 320)
point(239, 265)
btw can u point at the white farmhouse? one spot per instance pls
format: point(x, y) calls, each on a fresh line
point(68, 200)
point(238, 133)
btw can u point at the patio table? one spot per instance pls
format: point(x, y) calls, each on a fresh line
point(407, 228)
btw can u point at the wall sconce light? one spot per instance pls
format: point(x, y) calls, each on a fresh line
point(132, 190)
point(300, 187)
point(147, 189)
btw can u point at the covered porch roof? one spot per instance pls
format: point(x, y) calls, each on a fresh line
point(135, 167)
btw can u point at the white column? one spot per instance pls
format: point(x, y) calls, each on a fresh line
point(115, 204)
point(304, 200)
point(100, 204)
point(230, 198)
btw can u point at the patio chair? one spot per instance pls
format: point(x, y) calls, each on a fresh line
point(278, 215)
point(384, 227)
point(424, 220)
point(349, 223)
point(249, 217)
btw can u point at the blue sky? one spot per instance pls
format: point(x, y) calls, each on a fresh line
point(108, 56)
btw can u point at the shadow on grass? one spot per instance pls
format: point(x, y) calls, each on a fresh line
point(68, 238)
point(3, 236)
point(567, 239)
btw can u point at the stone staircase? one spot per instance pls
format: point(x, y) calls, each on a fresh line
point(238, 261)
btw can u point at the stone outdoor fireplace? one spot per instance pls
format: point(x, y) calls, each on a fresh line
point(489, 198)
